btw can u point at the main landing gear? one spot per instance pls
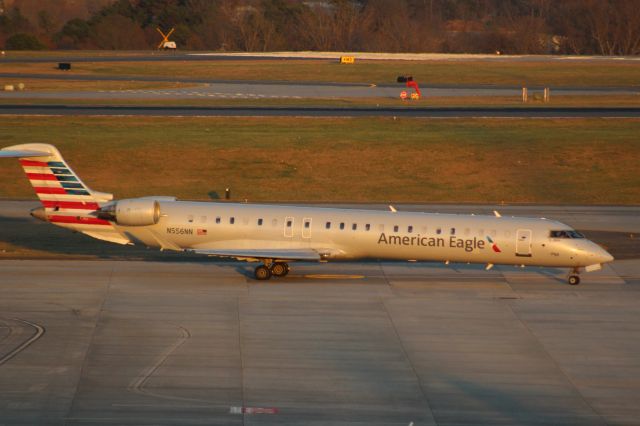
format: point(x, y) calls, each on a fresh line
point(574, 278)
point(269, 269)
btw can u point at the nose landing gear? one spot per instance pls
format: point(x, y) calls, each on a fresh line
point(574, 278)
point(269, 269)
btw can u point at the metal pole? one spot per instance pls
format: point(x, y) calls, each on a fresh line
point(525, 94)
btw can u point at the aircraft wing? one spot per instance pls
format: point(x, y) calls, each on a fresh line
point(280, 254)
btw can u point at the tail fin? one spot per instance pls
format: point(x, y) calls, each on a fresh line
point(65, 198)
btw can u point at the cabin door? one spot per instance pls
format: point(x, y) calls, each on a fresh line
point(523, 243)
point(288, 227)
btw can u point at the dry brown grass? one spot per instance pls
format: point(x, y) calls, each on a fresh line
point(328, 159)
point(518, 73)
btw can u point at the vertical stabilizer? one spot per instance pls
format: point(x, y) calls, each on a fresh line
point(66, 200)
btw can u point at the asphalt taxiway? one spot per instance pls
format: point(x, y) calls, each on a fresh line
point(161, 341)
point(366, 343)
point(258, 89)
point(434, 112)
point(146, 56)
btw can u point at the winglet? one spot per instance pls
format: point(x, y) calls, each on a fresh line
point(393, 209)
point(495, 212)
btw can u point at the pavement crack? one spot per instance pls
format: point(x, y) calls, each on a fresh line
point(241, 359)
point(557, 365)
point(85, 362)
point(406, 356)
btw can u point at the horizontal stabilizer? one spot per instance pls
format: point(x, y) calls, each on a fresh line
point(280, 254)
point(11, 153)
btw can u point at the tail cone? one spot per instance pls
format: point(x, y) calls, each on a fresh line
point(39, 213)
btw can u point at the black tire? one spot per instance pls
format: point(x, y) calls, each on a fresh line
point(279, 269)
point(573, 280)
point(262, 273)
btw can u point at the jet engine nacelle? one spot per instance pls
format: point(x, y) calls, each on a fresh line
point(132, 212)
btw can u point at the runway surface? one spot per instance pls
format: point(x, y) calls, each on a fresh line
point(185, 340)
point(193, 111)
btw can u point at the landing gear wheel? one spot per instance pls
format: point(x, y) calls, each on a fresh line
point(279, 269)
point(262, 273)
point(573, 280)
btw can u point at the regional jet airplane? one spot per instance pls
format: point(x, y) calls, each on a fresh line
point(276, 235)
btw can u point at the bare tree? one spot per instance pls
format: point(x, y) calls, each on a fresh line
point(627, 27)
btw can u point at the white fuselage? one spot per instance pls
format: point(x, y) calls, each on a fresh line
point(338, 234)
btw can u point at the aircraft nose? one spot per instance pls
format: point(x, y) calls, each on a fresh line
point(606, 257)
point(602, 255)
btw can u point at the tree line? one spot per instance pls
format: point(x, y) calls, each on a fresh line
point(602, 27)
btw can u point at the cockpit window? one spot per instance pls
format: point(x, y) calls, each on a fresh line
point(565, 234)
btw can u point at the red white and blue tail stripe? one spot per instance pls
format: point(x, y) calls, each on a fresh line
point(65, 198)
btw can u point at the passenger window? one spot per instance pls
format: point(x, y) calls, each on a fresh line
point(289, 223)
point(367, 227)
point(190, 218)
point(410, 229)
point(307, 224)
point(328, 225)
point(260, 222)
point(232, 220)
point(453, 231)
point(354, 226)
point(438, 231)
point(341, 225)
point(395, 228)
point(218, 219)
